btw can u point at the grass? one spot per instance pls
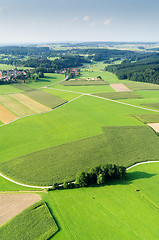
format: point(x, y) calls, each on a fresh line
point(35, 222)
point(147, 97)
point(22, 86)
point(45, 98)
point(9, 186)
point(63, 162)
point(152, 105)
point(5, 67)
point(141, 86)
point(5, 89)
point(86, 89)
point(119, 95)
point(148, 118)
point(145, 178)
point(114, 211)
point(67, 96)
point(78, 119)
point(84, 82)
point(49, 79)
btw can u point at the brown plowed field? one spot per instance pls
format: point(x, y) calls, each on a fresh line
point(12, 204)
point(6, 116)
point(119, 87)
point(27, 101)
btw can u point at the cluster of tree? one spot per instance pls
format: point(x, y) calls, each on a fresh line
point(46, 65)
point(25, 51)
point(142, 71)
point(97, 175)
point(100, 175)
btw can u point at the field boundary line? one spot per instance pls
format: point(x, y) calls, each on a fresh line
point(45, 187)
point(108, 99)
point(24, 185)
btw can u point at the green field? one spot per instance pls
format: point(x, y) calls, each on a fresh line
point(22, 86)
point(78, 119)
point(141, 86)
point(9, 186)
point(45, 98)
point(52, 147)
point(86, 89)
point(148, 118)
point(115, 211)
point(5, 89)
point(49, 79)
point(62, 94)
point(145, 178)
point(84, 82)
point(119, 95)
point(63, 162)
point(5, 66)
point(33, 223)
point(151, 105)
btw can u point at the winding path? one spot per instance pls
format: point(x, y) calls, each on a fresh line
point(45, 187)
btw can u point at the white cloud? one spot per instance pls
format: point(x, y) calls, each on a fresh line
point(107, 22)
point(86, 18)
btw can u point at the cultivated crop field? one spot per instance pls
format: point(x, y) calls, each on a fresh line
point(35, 222)
point(83, 82)
point(12, 204)
point(45, 98)
point(62, 129)
point(64, 161)
point(119, 95)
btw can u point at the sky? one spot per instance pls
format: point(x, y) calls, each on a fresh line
point(42, 21)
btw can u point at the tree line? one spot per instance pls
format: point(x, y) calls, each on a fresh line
point(146, 70)
point(100, 174)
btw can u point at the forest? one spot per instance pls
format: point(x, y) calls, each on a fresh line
point(145, 70)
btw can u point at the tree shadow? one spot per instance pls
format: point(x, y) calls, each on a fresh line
point(130, 177)
point(138, 175)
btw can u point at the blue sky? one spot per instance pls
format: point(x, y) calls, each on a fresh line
point(26, 21)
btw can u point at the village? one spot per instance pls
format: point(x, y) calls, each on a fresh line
point(14, 75)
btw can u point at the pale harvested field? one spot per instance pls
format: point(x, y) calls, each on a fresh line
point(27, 101)
point(155, 126)
point(5, 115)
point(15, 106)
point(119, 87)
point(12, 204)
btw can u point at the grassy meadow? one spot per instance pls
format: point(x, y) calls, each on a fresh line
point(115, 210)
point(49, 79)
point(145, 178)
